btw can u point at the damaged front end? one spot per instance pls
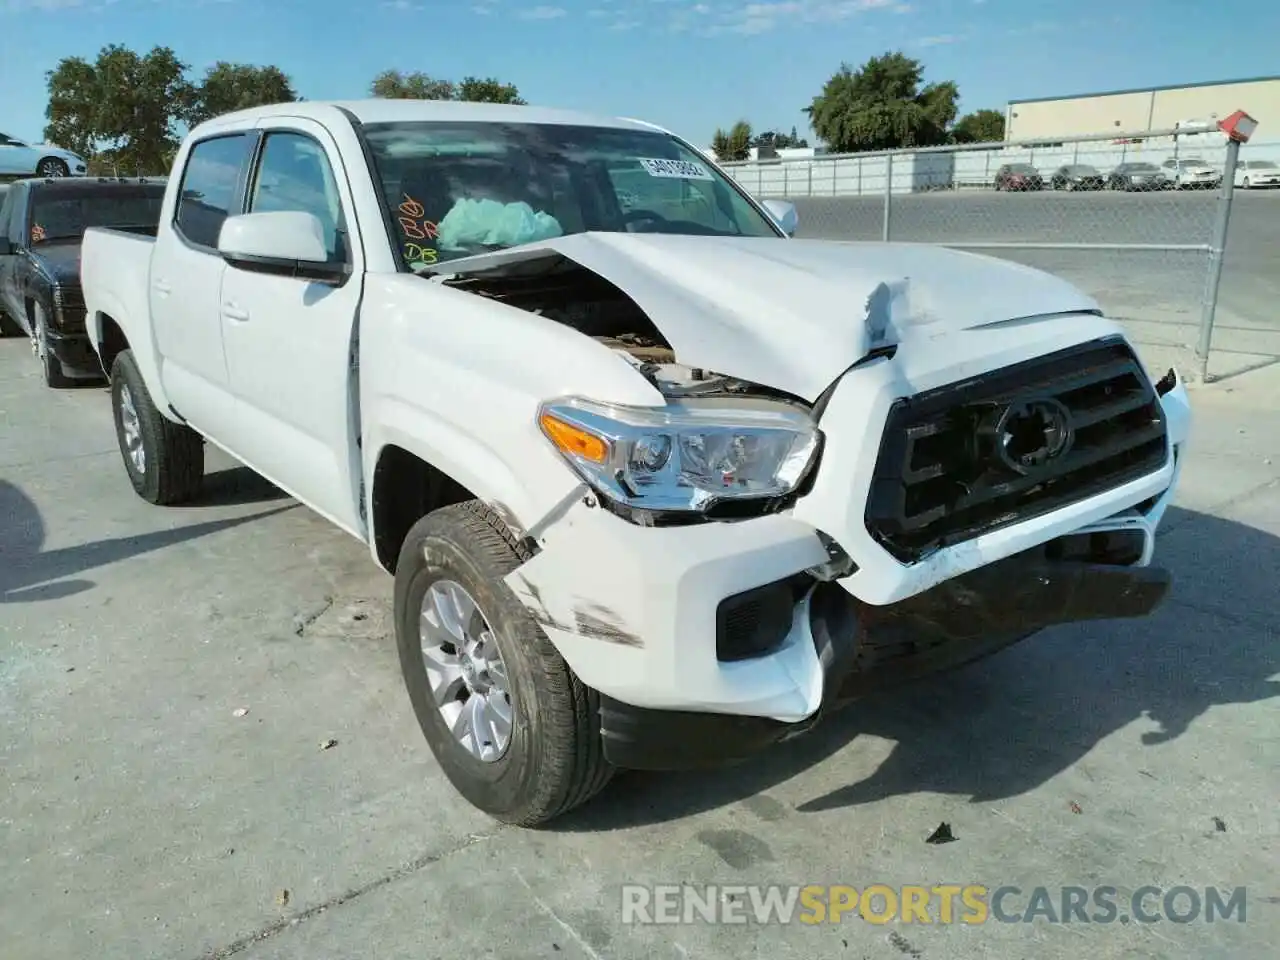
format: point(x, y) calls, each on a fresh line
point(746, 557)
point(719, 448)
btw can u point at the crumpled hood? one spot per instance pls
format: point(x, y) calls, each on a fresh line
point(795, 314)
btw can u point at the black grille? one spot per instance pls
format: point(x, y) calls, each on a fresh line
point(940, 478)
point(69, 299)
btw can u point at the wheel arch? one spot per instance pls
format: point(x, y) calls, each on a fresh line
point(407, 485)
point(109, 332)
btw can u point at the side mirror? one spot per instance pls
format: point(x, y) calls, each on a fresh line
point(286, 243)
point(784, 211)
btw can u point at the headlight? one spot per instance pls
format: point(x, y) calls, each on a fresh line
point(687, 456)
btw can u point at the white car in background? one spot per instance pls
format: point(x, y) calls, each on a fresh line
point(21, 159)
point(1191, 172)
point(1257, 173)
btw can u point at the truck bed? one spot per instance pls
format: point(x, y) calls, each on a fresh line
point(115, 271)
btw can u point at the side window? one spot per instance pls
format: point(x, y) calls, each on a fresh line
point(12, 225)
point(209, 187)
point(295, 175)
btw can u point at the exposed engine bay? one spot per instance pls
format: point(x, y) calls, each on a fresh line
point(567, 292)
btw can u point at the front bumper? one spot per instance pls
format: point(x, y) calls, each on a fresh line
point(866, 650)
point(720, 638)
point(75, 354)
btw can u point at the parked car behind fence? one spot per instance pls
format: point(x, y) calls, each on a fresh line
point(1257, 173)
point(1077, 176)
point(1019, 176)
point(1137, 176)
point(1192, 173)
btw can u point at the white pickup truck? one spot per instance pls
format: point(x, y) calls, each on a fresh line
point(659, 484)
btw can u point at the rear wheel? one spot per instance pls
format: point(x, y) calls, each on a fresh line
point(164, 460)
point(515, 731)
point(1245, 184)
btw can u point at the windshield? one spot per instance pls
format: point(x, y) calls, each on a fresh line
point(1021, 168)
point(64, 216)
point(458, 189)
point(1139, 167)
point(1261, 165)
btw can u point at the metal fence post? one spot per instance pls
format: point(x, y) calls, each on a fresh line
point(888, 195)
point(1216, 254)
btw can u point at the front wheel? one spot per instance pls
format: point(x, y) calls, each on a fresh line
point(515, 731)
point(164, 459)
point(8, 326)
point(49, 364)
point(52, 167)
point(1245, 184)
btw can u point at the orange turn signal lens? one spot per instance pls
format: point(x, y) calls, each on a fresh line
point(574, 440)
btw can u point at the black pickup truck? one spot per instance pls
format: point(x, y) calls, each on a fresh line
point(42, 224)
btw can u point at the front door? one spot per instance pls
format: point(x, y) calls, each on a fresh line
point(186, 283)
point(289, 341)
point(16, 158)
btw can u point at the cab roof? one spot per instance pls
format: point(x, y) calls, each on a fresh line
point(421, 111)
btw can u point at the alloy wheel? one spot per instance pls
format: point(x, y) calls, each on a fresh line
point(465, 670)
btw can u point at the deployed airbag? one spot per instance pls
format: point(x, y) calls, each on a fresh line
point(471, 223)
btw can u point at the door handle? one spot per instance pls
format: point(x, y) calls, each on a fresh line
point(233, 312)
point(162, 287)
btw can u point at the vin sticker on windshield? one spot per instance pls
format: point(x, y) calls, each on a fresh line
point(677, 169)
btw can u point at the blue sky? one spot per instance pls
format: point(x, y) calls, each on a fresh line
point(689, 65)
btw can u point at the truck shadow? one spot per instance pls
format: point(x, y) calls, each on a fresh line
point(235, 486)
point(30, 573)
point(1004, 726)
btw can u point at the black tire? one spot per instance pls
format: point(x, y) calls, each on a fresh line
point(54, 377)
point(173, 454)
point(9, 327)
point(555, 757)
point(52, 167)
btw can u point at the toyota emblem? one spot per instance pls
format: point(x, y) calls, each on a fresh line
point(1031, 434)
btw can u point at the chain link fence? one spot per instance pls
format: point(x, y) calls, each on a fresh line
point(1139, 221)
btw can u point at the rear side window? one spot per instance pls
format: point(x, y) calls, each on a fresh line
point(211, 187)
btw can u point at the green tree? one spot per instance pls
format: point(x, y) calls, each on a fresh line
point(122, 108)
point(981, 126)
point(734, 145)
point(779, 141)
point(72, 108)
point(882, 105)
point(394, 85)
point(237, 86)
point(488, 90)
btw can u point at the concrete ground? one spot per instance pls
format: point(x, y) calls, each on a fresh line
point(141, 817)
point(1158, 293)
